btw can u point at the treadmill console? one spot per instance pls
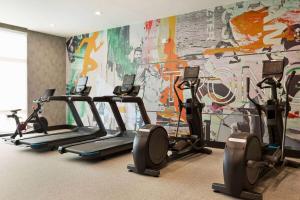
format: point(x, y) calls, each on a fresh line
point(81, 88)
point(191, 73)
point(128, 88)
point(48, 93)
point(128, 83)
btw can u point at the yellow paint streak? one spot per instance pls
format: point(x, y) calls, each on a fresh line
point(89, 64)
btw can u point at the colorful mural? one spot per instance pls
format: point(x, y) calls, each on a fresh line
point(229, 43)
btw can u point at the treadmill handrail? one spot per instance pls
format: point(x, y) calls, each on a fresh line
point(114, 109)
point(81, 98)
point(126, 99)
point(71, 98)
point(66, 98)
point(59, 98)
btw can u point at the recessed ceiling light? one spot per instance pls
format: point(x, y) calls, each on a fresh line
point(52, 25)
point(98, 13)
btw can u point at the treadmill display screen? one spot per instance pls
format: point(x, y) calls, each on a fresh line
point(81, 84)
point(191, 73)
point(128, 80)
point(48, 93)
point(272, 68)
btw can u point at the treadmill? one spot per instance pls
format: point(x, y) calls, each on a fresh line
point(79, 133)
point(121, 141)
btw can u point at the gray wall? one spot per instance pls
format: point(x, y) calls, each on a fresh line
point(46, 62)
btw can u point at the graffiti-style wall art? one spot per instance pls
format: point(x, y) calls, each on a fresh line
point(229, 43)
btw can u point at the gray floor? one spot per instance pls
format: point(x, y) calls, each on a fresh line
point(25, 174)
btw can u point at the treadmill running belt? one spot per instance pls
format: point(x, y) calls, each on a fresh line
point(51, 138)
point(102, 147)
point(60, 138)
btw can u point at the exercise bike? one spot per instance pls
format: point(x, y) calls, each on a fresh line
point(14, 115)
point(246, 157)
point(39, 123)
point(152, 142)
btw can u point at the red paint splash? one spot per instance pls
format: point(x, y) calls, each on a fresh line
point(290, 17)
point(148, 25)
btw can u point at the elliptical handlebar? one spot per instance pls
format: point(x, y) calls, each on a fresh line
point(259, 84)
point(289, 80)
point(248, 85)
point(270, 81)
point(184, 85)
point(175, 90)
point(287, 110)
point(257, 105)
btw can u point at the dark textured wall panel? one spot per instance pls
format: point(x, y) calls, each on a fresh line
point(47, 69)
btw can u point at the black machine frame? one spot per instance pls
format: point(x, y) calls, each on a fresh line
point(76, 133)
point(246, 157)
point(268, 70)
point(152, 143)
point(115, 141)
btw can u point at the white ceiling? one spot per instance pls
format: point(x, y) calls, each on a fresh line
point(72, 17)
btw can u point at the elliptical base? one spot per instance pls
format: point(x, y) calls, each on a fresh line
point(189, 151)
point(156, 172)
point(220, 188)
point(292, 163)
point(149, 172)
point(249, 195)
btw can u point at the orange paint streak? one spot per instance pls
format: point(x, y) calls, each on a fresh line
point(290, 17)
point(171, 67)
point(157, 66)
point(164, 95)
point(288, 34)
point(251, 22)
point(89, 64)
point(250, 25)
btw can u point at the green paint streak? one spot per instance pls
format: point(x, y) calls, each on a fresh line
point(291, 70)
point(70, 85)
point(75, 70)
point(118, 50)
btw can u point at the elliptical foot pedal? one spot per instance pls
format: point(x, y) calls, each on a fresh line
point(61, 150)
point(149, 172)
point(293, 164)
point(206, 151)
point(218, 187)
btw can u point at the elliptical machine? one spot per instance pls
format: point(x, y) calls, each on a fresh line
point(39, 123)
point(246, 157)
point(152, 142)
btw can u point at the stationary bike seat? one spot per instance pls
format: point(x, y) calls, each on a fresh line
point(15, 111)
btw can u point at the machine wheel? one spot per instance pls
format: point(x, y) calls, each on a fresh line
point(41, 127)
point(252, 152)
point(150, 148)
point(157, 148)
point(239, 149)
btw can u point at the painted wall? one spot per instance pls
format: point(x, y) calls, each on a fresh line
point(228, 42)
point(46, 69)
